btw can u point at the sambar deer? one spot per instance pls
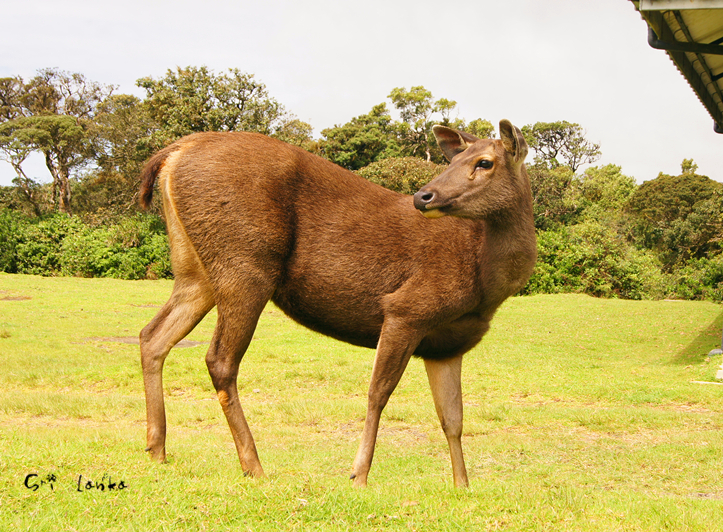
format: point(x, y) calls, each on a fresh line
point(251, 219)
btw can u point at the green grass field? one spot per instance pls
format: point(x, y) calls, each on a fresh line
point(580, 414)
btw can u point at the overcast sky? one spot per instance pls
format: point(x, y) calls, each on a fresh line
point(326, 61)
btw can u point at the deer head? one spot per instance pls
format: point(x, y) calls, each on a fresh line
point(484, 175)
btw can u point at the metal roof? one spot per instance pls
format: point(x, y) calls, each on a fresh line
point(691, 33)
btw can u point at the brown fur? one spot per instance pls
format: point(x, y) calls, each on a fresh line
point(251, 219)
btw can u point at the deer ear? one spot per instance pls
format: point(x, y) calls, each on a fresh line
point(513, 141)
point(452, 141)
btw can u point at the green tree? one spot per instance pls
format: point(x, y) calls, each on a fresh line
point(194, 99)
point(697, 235)
point(678, 216)
point(297, 132)
point(667, 198)
point(121, 133)
point(480, 128)
point(363, 140)
point(15, 149)
point(416, 108)
point(122, 128)
point(555, 196)
point(604, 191)
point(63, 142)
point(51, 114)
point(560, 143)
point(11, 90)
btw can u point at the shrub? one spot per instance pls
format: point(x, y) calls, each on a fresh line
point(402, 174)
point(39, 248)
point(125, 247)
point(133, 248)
point(699, 279)
point(592, 259)
point(10, 223)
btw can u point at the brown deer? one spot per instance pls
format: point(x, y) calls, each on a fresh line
point(251, 219)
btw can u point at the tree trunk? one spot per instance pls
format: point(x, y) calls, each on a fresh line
point(61, 184)
point(64, 204)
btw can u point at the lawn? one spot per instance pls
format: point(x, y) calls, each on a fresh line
point(580, 414)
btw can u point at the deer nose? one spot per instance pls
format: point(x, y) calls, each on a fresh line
point(423, 198)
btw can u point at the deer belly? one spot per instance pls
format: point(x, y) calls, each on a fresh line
point(334, 311)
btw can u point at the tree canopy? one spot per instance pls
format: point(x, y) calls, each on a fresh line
point(193, 99)
point(52, 114)
point(560, 144)
point(363, 140)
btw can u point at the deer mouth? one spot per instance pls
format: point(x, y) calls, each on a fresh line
point(430, 205)
point(433, 212)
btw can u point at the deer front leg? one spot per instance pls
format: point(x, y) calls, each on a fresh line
point(395, 348)
point(445, 380)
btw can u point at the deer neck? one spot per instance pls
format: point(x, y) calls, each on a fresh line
point(510, 250)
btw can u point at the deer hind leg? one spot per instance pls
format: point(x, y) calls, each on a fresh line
point(395, 348)
point(192, 298)
point(237, 319)
point(446, 384)
point(190, 301)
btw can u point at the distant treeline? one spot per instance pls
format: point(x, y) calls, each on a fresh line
point(598, 231)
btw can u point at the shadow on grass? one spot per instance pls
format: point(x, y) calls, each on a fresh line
point(709, 338)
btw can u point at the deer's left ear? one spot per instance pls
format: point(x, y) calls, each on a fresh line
point(513, 141)
point(452, 141)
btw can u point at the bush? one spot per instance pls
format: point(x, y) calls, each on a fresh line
point(699, 279)
point(592, 259)
point(133, 248)
point(9, 229)
point(130, 247)
point(402, 174)
point(39, 248)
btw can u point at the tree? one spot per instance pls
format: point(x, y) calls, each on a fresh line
point(482, 129)
point(416, 107)
point(14, 149)
point(66, 147)
point(194, 99)
point(678, 216)
point(688, 166)
point(604, 190)
point(696, 236)
point(10, 98)
point(121, 134)
point(667, 198)
point(297, 132)
point(363, 140)
point(51, 114)
point(55, 92)
point(555, 196)
point(560, 143)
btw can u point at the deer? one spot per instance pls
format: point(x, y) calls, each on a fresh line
point(251, 219)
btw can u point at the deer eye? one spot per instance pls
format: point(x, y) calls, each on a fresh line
point(484, 163)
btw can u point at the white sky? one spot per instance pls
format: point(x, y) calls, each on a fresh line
point(326, 61)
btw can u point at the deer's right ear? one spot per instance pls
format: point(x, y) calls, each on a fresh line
point(452, 141)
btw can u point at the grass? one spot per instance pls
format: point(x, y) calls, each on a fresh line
point(580, 414)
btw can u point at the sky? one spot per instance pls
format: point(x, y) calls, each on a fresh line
point(327, 61)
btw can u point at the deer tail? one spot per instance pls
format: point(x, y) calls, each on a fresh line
point(150, 173)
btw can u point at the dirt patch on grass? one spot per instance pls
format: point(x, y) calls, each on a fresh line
point(14, 298)
point(134, 340)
